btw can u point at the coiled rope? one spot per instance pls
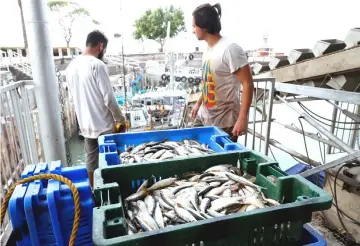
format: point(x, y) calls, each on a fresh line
point(74, 191)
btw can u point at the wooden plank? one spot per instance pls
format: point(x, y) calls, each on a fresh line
point(341, 61)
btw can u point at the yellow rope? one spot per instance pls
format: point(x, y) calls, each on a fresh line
point(49, 176)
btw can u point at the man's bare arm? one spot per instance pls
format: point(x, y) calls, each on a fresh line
point(244, 76)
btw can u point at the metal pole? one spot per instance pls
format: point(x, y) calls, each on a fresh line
point(278, 145)
point(356, 125)
point(333, 123)
point(123, 63)
point(269, 115)
point(46, 92)
point(172, 70)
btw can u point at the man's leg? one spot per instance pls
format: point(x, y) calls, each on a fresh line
point(91, 158)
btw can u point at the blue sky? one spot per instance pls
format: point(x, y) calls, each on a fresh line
point(289, 24)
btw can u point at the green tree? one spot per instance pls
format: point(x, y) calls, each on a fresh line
point(153, 24)
point(67, 12)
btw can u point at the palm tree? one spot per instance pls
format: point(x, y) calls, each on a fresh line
point(23, 24)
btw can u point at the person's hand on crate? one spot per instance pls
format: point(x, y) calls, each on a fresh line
point(240, 127)
point(195, 110)
point(120, 127)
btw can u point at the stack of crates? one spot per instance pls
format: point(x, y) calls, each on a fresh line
point(42, 211)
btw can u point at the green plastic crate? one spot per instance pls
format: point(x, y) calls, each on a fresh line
point(279, 225)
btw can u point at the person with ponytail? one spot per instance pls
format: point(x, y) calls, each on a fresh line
point(224, 67)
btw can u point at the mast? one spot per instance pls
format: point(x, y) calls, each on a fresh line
point(46, 86)
point(123, 62)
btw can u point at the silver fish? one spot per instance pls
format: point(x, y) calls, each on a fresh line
point(241, 180)
point(216, 191)
point(195, 178)
point(214, 213)
point(143, 185)
point(138, 158)
point(136, 196)
point(131, 226)
point(227, 193)
point(179, 188)
point(166, 155)
point(184, 214)
point(150, 204)
point(146, 221)
point(158, 154)
point(168, 146)
point(138, 148)
point(194, 198)
point(218, 168)
point(167, 199)
point(223, 203)
point(205, 203)
point(130, 232)
point(142, 206)
point(124, 154)
point(159, 219)
point(130, 214)
point(163, 204)
point(129, 149)
point(250, 208)
point(162, 184)
point(170, 214)
point(195, 213)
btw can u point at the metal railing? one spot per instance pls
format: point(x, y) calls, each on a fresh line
point(341, 134)
point(4, 66)
point(260, 113)
point(20, 62)
point(20, 140)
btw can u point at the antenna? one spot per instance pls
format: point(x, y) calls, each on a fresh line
point(265, 38)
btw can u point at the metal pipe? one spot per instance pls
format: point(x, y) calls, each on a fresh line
point(46, 92)
point(269, 115)
point(321, 129)
point(356, 125)
point(328, 134)
point(278, 145)
point(309, 134)
point(333, 123)
point(172, 70)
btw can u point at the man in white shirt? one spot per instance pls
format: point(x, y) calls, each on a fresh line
point(96, 108)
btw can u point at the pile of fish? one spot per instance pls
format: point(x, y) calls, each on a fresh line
point(219, 191)
point(162, 150)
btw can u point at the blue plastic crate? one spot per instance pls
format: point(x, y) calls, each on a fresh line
point(310, 237)
point(318, 179)
point(42, 212)
point(37, 215)
point(16, 204)
point(17, 216)
point(60, 200)
point(215, 138)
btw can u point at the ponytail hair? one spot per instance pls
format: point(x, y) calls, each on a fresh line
point(217, 7)
point(208, 16)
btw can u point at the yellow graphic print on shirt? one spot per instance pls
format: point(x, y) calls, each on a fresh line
point(208, 85)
